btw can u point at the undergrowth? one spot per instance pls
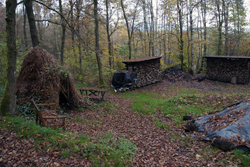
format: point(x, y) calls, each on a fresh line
point(104, 150)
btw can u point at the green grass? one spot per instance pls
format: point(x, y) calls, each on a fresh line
point(104, 150)
point(244, 158)
point(110, 107)
point(79, 85)
point(175, 103)
point(182, 102)
point(79, 119)
point(145, 103)
point(159, 124)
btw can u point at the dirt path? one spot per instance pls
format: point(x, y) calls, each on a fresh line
point(155, 146)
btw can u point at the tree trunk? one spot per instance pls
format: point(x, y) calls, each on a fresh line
point(188, 44)
point(63, 33)
point(181, 38)
point(108, 34)
point(32, 24)
point(164, 40)
point(238, 27)
point(152, 34)
point(145, 26)
point(225, 14)
point(220, 21)
point(204, 15)
point(128, 30)
point(78, 11)
point(24, 30)
point(97, 48)
point(8, 104)
point(191, 36)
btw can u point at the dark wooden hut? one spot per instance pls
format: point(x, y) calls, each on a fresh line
point(148, 69)
point(233, 69)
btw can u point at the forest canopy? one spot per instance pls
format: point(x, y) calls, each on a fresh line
point(180, 31)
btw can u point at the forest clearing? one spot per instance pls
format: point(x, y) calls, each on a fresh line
point(143, 127)
point(51, 50)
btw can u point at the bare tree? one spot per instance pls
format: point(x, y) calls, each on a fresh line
point(110, 32)
point(130, 33)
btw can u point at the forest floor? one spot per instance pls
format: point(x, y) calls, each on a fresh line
point(151, 118)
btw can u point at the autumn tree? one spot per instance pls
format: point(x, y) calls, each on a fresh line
point(130, 29)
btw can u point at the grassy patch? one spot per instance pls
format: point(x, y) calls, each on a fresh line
point(110, 107)
point(174, 91)
point(183, 102)
point(159, 124)
point(145, 103)
point(105, 150)
point(80, 85)
point(244, 158)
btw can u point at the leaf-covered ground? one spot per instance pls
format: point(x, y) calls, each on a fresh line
point(151, 118)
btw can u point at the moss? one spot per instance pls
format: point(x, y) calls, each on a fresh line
point(5, 100)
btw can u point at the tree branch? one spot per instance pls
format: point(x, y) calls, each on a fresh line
point(70, 27)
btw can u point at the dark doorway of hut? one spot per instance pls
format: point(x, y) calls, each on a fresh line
point(65, 101)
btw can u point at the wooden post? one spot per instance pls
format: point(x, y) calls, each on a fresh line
point(234, 80)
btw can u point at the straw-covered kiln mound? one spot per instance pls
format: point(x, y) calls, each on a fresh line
point(42, 79)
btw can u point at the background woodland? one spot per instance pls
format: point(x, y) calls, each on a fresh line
point(180, 31)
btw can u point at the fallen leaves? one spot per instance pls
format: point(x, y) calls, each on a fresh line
point(155, 146)
point(16, 151)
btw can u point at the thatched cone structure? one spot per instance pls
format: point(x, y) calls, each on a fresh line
point(40, 78)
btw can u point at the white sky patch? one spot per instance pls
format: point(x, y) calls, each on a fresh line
point(247, 7)
point(2, 1)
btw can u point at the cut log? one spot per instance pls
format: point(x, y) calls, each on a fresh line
point(223, 145)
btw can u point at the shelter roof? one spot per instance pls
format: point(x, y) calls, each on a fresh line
point(141, 59)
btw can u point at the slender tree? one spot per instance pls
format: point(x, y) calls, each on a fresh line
point(130, 32)
point(97, 47)
point(24, 29)
point(152, 34)
point(145, 27)
point(8, 103)
point(181, 42)
point(32, 23)
point(110, 32)
point(63, 33)
point(219, 23)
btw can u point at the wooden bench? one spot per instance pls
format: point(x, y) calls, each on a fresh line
point(93, 93)
point(60, 120)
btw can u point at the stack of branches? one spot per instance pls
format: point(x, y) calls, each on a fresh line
point(174, 74)
point(42, 79)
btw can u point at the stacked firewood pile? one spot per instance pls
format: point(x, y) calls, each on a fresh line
point(174, 74)
point(148, 72)
point(225, 70)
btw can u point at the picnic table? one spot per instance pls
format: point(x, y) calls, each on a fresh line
point(95, 93)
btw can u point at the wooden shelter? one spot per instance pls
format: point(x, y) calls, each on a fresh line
point(148, 69)
point(233, 69)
